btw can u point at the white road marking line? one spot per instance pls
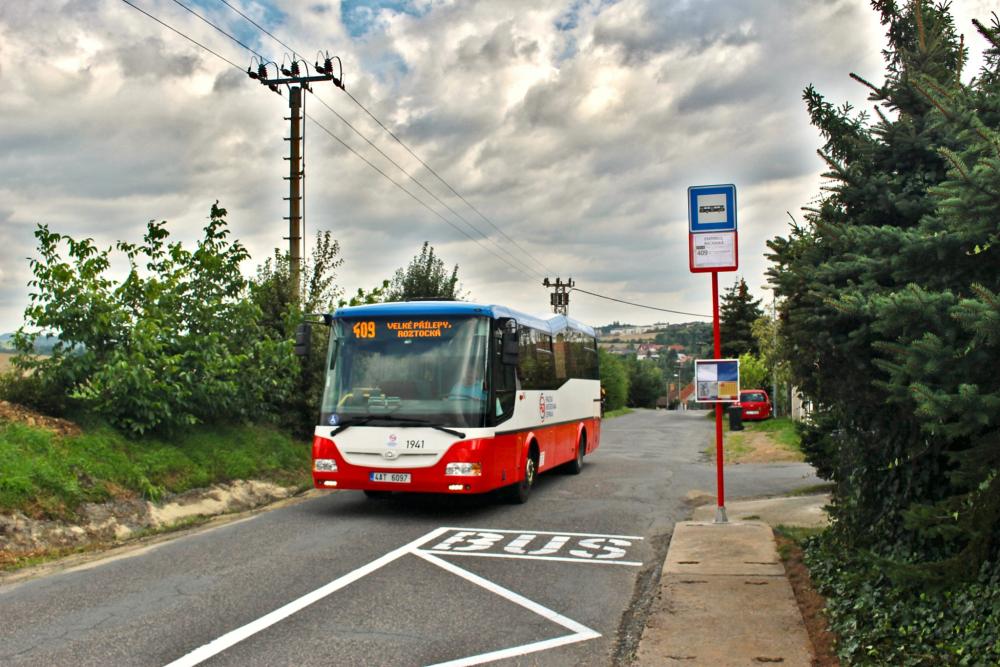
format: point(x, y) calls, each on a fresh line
point(542, 532)
point(580, 631)
point(233, 637)
point(515, 651)
point(562, 559)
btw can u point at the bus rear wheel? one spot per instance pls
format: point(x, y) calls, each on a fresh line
point(576, 465)
point(518, 493)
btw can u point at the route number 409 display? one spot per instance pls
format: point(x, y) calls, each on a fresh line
point(364, 329)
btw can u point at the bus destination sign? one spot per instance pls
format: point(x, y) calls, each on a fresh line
point(372, 329)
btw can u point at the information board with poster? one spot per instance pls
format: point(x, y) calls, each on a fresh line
point(717, 380)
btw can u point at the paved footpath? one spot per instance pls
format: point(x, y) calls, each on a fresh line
point(724, 599)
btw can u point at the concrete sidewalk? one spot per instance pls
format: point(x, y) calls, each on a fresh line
point(724, 598)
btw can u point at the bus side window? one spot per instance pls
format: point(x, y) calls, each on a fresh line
point(504, 381)
point(562, 353)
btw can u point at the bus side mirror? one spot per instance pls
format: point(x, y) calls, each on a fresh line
point(303, 340)
point(510, 352)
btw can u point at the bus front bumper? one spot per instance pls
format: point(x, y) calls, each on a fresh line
point(432, 479)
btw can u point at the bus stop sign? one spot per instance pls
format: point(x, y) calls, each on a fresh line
point(713, 244)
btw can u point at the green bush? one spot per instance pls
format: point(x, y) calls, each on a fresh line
point(880, 622)
point(175, 343)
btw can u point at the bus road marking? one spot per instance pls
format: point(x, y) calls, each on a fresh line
point(557, 559)
point(537, 545)
point(486, 543)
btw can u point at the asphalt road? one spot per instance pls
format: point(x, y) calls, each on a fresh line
point(412, 580)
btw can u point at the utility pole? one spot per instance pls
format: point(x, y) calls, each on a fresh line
point(294, 179)
point(293, 78)
point(560, 296)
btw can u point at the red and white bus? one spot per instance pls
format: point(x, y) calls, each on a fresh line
point(453, 397)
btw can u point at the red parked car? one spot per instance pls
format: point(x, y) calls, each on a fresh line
point(754, 404)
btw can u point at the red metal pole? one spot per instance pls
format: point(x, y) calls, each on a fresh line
point(720, 513)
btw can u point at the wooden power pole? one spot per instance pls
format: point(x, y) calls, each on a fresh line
point(296, 82)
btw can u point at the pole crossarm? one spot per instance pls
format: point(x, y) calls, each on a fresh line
point(295, 80)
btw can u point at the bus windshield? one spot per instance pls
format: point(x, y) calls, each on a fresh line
point(409, 368)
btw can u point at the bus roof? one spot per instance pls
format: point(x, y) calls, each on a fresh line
point(552, 325)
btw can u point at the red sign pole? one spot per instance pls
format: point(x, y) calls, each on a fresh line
point(720, 484)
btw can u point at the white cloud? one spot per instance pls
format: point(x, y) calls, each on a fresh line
point(574, 126)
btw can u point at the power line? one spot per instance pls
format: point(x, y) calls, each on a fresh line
point(258, 26)
point(209, 23)
point(446, 184)
point(380, 171)
point(415, 156)
point(639, 305)
point(413, 196)
point(422, 186)
point(327, 131)
point(354, 129)
point(193, 41)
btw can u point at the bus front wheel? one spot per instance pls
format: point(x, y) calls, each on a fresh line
point(518, 493)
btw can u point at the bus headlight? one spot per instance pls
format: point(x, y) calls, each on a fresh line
point(325, 465)
point(464, 469)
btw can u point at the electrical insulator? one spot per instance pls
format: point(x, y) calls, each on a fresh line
point(295, 68)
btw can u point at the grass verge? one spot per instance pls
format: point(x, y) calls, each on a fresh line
point(620, 412)
point(47, 476)
point(781, 430)
point(735, 446)
point(760, 442)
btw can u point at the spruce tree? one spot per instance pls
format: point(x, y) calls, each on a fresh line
point(889, 302)
point(737, 312)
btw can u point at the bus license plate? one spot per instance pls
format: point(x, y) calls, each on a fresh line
point(395, 477)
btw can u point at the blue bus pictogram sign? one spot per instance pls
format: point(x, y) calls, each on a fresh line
point(711, 208)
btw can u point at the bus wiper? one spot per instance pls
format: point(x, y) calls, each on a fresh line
point(402, 421)
point(347, 423)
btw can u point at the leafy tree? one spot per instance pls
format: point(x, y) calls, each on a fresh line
point(737, 312)
point(361, 298)
point(890, 303)
point(614, 380)
point(280, 315)
point(177, 342)
point(318, 293)
point(424, 278)
point(774, 353)
point(753, 372)
point(645, 383)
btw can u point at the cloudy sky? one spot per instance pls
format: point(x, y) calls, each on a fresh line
point(574, 126)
